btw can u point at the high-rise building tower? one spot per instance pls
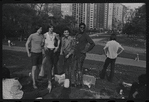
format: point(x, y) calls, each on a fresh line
point(66, 9)
point(117, 16)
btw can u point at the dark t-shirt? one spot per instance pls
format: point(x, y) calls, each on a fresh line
point(81, 41)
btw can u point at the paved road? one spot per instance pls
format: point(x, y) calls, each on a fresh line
point(94, 57)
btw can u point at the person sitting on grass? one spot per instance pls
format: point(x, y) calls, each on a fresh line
point(138, 89)
point(12, 88)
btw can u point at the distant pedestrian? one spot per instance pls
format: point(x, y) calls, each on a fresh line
point(9, 43)
point(82, 39)
point(111, 50)
point(137, 57)
point(37, 43)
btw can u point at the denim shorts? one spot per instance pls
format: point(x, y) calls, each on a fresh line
point(36, 58)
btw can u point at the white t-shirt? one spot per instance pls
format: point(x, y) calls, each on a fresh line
point(49, 40)
point(11, 89)
point(113, 47)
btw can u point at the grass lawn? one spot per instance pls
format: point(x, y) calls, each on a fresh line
point(17, 43)
point(98, 49)
point(20, 65)
point(124, 40)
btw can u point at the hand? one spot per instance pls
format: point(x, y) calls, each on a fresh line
point(55, 49)
point(29, 54)
point(61, 53)
point(67, 56)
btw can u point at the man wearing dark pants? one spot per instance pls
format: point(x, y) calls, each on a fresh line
point(111, 52)
point(50, 51)
point(82, 39)
point(37, 42)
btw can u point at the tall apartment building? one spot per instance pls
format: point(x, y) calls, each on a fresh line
point(117, 16)
point(100, 16)
point(66, 9)
point(109, 16)
point(105, 15)
point(79, 11)
point(91, 13)
point(124, 13)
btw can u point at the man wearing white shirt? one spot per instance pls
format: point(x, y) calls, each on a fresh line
point(50, 51)
point(111, 50)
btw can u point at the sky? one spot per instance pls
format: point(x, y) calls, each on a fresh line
point(133, 5)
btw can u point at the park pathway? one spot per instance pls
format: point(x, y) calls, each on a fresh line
point(127, 48)
point(91, 56)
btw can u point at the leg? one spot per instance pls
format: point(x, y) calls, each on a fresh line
point(112, 69)
point(103, 72)
point(49, 53)
point(80, 69)
point(73, 69)
point(34, 68)
point(133, 89)
point(67, 64)
point(56, 58)
point(42, 67)
point(35, 94)
point(33, 76)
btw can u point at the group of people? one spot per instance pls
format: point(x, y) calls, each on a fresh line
point(52, 47)
point(45, 50)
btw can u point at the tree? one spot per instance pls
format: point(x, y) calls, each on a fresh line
point(137, 26)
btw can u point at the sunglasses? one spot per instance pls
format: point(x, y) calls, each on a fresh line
point(82, 27)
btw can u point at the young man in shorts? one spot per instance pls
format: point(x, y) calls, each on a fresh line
point(37, 43)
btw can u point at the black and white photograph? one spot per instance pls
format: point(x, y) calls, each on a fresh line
point(74, 51)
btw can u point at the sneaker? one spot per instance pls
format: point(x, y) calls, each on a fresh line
point(49, 86)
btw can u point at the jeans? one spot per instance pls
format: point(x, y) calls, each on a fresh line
point(67, 66)
point(35, 94)
point(79, 69)
point(50, 55)
point(106, 64)
point(56, 58)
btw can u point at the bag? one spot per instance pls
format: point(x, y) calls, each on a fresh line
point(60, 78)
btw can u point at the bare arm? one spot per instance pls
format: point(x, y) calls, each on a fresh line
point(58, 38)
point(27, 43)
point(105, 49)
point(121, 50)
point(61, 52)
